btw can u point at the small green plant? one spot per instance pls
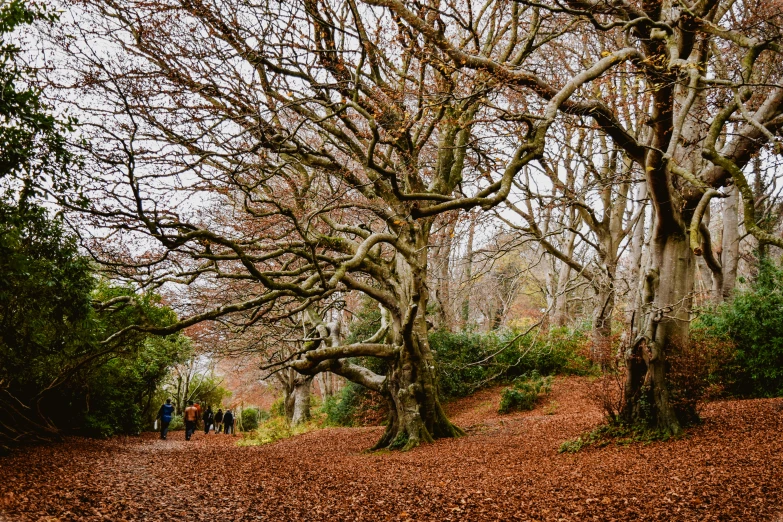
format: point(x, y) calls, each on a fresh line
point(177, 423)
point(277, 428)
point(617, 433)
point(400, 442)
point(525, 392)
point(278, 408)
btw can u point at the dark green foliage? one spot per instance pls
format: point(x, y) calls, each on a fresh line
point(525, 392)
point(177, 423)
point(45, 305)
point(52, 358)
point(753, 321)
point(613, 433)
point(341, 409)
point(354, 405)
point(468, 360)
point(32, 141)
point(250, 418)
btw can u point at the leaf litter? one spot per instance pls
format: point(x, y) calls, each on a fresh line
point(506, 468)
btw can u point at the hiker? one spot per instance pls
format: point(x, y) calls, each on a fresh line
point(209, 418)
point(218, 420)
point(198, 412)
point(228, 422)
point(190, 416)
point(164, 414)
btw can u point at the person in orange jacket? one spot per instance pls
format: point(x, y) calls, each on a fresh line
point(190, 416)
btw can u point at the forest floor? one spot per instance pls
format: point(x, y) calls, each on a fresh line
point(506, 468)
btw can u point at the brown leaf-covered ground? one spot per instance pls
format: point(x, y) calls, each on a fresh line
point(507, 468)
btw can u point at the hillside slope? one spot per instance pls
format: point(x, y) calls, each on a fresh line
point(506, 468)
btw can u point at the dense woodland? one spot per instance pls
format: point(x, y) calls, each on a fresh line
point(373, 207)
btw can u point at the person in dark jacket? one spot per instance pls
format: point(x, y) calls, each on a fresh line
point(218, 420)
point(228, 422)
point(209, 418)
point(165, 413)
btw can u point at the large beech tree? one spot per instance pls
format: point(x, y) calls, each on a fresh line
point(713, 70)
point(306, 148)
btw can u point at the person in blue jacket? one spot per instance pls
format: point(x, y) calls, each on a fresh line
point(165, 413)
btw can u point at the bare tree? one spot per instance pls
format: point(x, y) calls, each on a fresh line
point(338, 131)
point(341, 131)
point(713, 71)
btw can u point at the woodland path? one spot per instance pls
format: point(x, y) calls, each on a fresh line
point(507, 468)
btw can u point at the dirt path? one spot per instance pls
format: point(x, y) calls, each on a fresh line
point(507, 468)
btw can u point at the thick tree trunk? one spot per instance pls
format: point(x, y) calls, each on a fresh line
point(416, 414)
point(667, 307)
point(296, 396)
point(300, 408)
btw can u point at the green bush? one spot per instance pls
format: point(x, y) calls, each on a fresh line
point(467, 361)
point(177, 424)
point(564, 351)
point(753, 321)
point(250, 418)
point(525, 392)
point(98, 427)
point(278, 408)
point(354, 406)
point(464, 361)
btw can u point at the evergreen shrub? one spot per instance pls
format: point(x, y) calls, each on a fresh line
point(525, 392)
point(250, 418)
point(753, 322)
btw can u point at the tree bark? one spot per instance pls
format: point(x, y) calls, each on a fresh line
point(602, 317)
point(411, 387)
point(468, 273)
point(560, 313)
point(730, 242)
point(638, 266)
point(300, 400)
point(667, 306)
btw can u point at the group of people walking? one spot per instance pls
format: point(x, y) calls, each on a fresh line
point(218, 421)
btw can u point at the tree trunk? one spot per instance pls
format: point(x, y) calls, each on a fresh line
point(468, 273)
point(602, 318)
point(415, 412)
point(560, 313)
point(730, 242)
point(300, 399)
point(638, 267)
point(667, 306)
point(443, 283)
